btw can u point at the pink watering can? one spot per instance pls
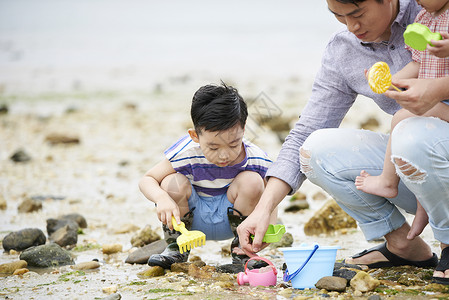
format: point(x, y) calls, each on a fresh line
point(265, 276)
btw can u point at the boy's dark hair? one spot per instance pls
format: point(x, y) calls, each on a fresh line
point(217, 108)
point(355, 2)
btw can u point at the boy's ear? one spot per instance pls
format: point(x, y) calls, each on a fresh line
point(193, 135)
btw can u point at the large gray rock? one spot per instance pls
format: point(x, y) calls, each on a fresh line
point(79, 219)
point(44, 256)
point(23, 239)
point(141, 255)
point(65, 236)
point(55, 224)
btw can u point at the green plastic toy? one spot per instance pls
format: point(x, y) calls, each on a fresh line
point(418, 36)
point(274, 233)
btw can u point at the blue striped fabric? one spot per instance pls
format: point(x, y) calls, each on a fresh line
point(209, 179)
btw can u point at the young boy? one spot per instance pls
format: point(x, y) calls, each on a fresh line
point(207, 174)
point(431, 63)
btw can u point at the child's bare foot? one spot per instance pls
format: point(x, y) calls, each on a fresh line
point(375, 185)
point(419, 223)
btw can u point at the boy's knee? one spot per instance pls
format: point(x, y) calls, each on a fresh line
point(250, 183)
point(176, 184)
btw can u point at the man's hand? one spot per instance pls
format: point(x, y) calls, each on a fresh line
point(255, 224)
point(419, 97)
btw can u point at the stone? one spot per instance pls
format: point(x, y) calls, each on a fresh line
point(180, 267)
point(23, 239)
point(363, 282)
point(20, 271)
point(231, 268)
point(65, 236)
point(411, 280)
point(10, 268)
point(205, 272)
point(3, 203)
point(286, 241)
point(88, 265)
point(154, 271)
point(127, 228)
point(20, 156)
point(332, 283)
point(111, 248)
point(329, 218)
point(29, 205)
point(144, 237)
point(79, 219)
point(297, 205)
point(56, 138)
point(298, 196)
point(54, 224)
point(44, 256)
point(114, 296)
point(370, 124)
point(320, 196)
point(345, 273)
point(141, 255)
point(109, 289)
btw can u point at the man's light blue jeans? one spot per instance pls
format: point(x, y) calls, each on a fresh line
point(338, 155)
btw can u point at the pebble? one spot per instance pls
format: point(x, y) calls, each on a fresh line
point(3, 203)
point(20, 156)
point(23, 239)
point(363, 282)
point(144, 237)
point(29, 205)
point(10, 268)
point(20, 271)
point(110, 289)
point(88, 265)
point(65, 236)
point(332, 283)
point(111, 248)
point(154, 271)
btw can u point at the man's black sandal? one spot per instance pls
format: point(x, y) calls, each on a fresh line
point(442, 266)
point(394, 260)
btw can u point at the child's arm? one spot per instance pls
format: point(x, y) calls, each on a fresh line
point(411, 70)
point(150, 186)
point(440, 48)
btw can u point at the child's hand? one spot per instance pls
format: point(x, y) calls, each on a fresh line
point(440, 48)
point(166, 209)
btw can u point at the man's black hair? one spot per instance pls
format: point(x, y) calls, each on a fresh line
point(217, 108)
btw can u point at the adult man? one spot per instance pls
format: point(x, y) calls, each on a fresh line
point(332, 158)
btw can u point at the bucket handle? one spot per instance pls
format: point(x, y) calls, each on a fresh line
point(265, 260)
point(287, 277)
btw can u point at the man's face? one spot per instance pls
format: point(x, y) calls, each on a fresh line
point(370, 21)
point(222, 148)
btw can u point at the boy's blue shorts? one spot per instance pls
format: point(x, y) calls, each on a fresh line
point(210, 215)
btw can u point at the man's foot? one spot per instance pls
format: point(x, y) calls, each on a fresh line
point(375, 185)
point(380, 257)
point(441, 273)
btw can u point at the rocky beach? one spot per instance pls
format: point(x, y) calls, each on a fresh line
point(92, 93)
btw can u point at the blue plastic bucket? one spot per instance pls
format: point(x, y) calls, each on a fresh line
point(308, 264)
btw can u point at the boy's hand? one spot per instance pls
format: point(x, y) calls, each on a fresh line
point(440, 48)
point(165, 209)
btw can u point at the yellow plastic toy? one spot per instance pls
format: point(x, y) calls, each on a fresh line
point(188, 239)
point(379, 78)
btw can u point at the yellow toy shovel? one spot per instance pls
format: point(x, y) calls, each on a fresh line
point(188, 239)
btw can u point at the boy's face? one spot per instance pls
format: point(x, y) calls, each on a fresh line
point(369, 21)
point(222, 148)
